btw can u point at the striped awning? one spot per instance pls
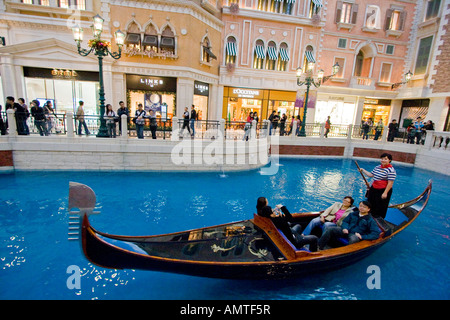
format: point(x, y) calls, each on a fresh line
point(318, 3)
point(272, 52)
point(284, 56)
point(260, 53)
point(231, 48)
point(310, 57)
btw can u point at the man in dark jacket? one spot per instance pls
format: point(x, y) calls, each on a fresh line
point(39, 117)
point(357, 226)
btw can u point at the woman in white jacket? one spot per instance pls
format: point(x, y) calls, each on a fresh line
point(332, 216)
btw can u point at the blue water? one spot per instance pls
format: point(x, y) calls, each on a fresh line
point(35, 252)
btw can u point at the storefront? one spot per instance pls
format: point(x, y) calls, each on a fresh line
point(411, 109)
point(376, 109)
point(239, 102)
point(201, 99)
point(152, 92)
point(341, 109)
point(63, 87)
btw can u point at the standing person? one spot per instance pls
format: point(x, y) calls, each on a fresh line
point(49, 114)
point(39, 117)
point(192, 120)
point(122, 110)
point(291, 126)
point(248, 126)
point(140, 121)
point(25, 116)
point(153, 123)
point(366, 127)
point(380, 191)
point(11, 104)
point(110, 117)
point(80, 119)
point(299, 124)
point(283, 124)
point(185, 121)
point(393, 130)
point(410, 133)
point(271, 121)
point(2, 123)
point(357, 226)
point(327, 127)
point(378, 129)
point(276, 118)
point(255, 117)
point(418, 126)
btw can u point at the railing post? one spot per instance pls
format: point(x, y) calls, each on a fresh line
point(384, 134)
point(11, 115)
point(70, 125)
point(175, 129)
point(429, 139)
point(124, 125)
point(253, 131)
point(349, 131)
point(322, 131)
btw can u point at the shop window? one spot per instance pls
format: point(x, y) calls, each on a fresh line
point(259, 55)
point(423, 55)
point(271, 56)
point(432, 9)
point(346, 13)
point(385, 73)
point(314, 8)
point(231, 51)
point(283, 57)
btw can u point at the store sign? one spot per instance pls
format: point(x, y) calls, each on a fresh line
point(201, 88)
point(145, 83)
point(245, 93)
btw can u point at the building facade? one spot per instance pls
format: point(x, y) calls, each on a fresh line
point(232, 57)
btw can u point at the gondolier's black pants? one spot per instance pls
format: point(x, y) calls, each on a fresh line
point(379, 205)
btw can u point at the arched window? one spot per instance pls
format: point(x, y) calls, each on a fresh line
point(133, 38)
point(271, 56)
point(308, 60)
point(259, 55)
point(167, 44)
point(283, 57)
point(231, 51)
point(150, 42)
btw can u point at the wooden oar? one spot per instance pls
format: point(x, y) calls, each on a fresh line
point(365, 180)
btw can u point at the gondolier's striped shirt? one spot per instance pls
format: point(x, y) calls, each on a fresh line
point(380, 173)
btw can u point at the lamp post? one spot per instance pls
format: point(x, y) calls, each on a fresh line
point(408, 77)
point(101, 49)
point(308, 81)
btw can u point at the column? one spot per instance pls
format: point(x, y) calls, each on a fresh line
point(185, 95)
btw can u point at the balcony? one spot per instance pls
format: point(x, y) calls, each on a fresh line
point(362, 83)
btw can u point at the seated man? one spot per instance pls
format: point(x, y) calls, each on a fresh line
point(281, 217)
point(357, 226)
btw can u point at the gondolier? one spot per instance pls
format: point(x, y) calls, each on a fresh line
point(380, 191)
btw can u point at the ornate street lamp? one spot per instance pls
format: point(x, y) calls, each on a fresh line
point(101, 49)
point(308, 81)
point(408, 77)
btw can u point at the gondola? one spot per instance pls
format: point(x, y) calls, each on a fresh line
point(248, 249)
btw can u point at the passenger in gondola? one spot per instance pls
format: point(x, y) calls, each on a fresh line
point(332, 216)
point(282, 219)
point(358, 225)
point(380, 191)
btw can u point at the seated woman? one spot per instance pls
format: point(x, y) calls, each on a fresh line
point(332, 216)
point(281, 217)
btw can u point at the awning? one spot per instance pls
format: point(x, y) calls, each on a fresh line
point(231, 48)
point(284, 55)
point(209, 52)
point(260, 54)
point(310, 57)
point(133, 38)
point(271, 51)
point(150, 40)
point(318, 3)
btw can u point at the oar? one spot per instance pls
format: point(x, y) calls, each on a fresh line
point(365, 180)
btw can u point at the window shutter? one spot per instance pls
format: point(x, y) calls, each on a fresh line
point(387, 22)
point(354, 13)
point(402, 20)
point(338, 11)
